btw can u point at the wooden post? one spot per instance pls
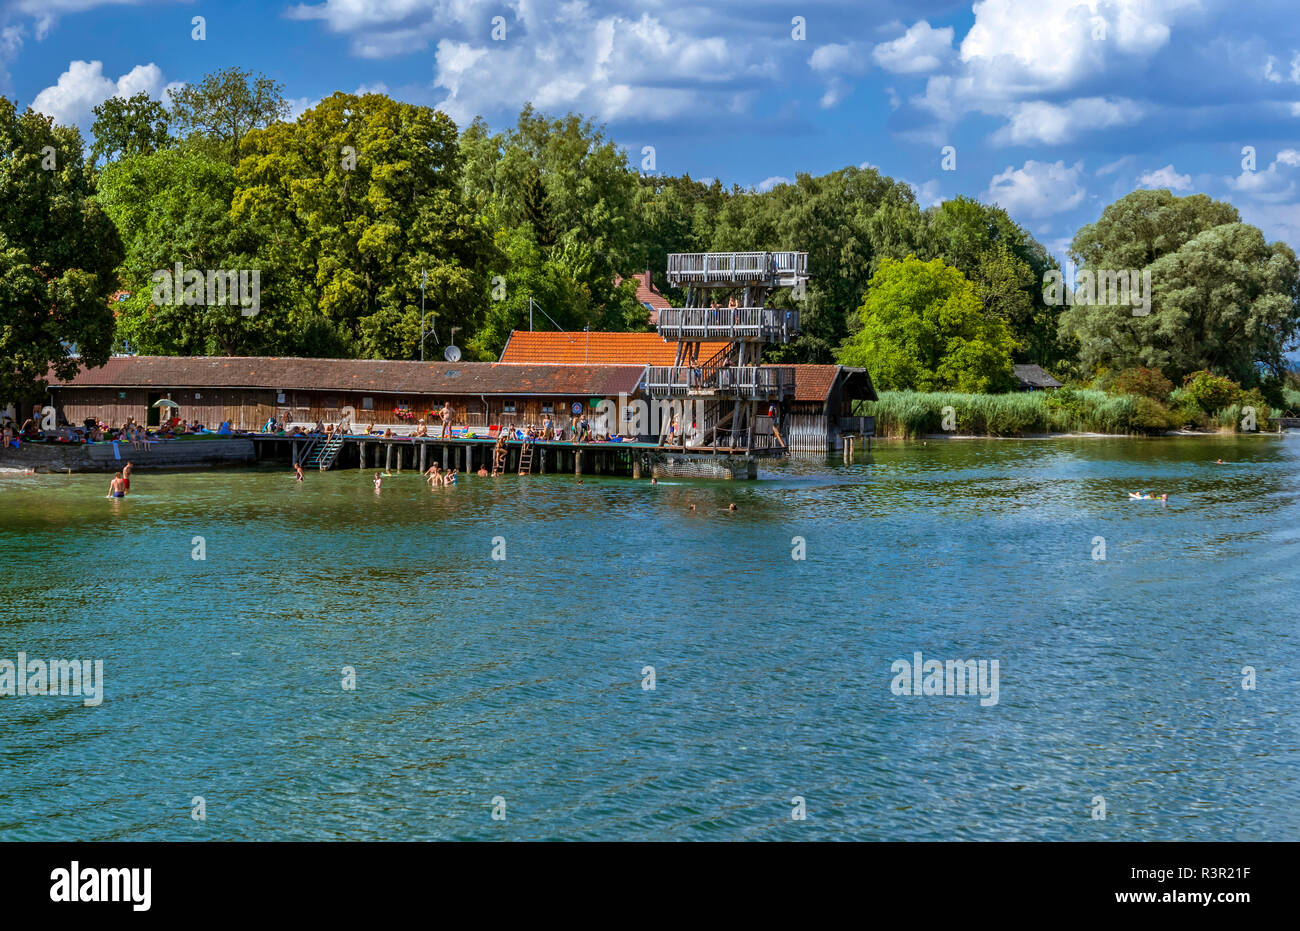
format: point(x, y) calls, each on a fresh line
point(577, 462)
point(636, 465)
point(469, 457)
point(424, 452)
point(541, 461)
point(388, 457)
point(444, 457)
point(362, 466)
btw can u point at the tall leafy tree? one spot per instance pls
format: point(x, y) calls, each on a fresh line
point(923, 328)
point(215, 114)
point(135, 125)
point(1222, 299)
point(351, 204)
point(174, 207)
point(58, 253)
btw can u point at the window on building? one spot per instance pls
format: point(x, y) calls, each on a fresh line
point(508, 407)
point(331, 403)
point(367, 404)
point(548, 407)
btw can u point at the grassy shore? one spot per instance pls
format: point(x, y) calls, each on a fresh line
point(914, 413)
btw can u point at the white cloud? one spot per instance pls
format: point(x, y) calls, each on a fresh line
point(768, 183)
point(1166, 177)
point(1037, 189)
point(1275, 184)
point(921, 48)
point(849, 58)
point(927, 194)
point(1040, 45)
point(84, 86)
point(1038, 121)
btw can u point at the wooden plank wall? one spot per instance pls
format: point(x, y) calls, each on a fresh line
point(248, 409)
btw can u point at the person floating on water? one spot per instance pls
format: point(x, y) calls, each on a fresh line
point(115, 487)
point(1141, 496)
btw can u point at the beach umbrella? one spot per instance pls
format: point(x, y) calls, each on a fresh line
point(166, 402)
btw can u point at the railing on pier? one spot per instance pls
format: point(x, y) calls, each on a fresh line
point(727, 269)
point(762, 324)
point(746, 382)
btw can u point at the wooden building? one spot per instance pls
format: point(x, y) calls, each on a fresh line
point(249, 390)
point(813, 420)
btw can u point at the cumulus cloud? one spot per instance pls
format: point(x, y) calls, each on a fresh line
point(768, 183)
point(1038, 121)
point(921, 48)
point(1275, 184)
point(1037, 189)
point(565, 55)
point(1166, 177)
point(84, 86)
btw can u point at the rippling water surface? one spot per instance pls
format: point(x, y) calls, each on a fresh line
point(522, 678)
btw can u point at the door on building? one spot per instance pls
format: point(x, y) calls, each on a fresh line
point(151, 413)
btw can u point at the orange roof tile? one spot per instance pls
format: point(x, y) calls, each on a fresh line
point(595, 348)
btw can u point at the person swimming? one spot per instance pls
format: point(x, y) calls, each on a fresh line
point(1141, 496)
point(731, 506)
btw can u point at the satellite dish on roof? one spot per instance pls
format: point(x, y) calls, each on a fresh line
point(452, 354)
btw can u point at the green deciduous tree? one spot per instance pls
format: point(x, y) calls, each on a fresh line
point(173, 206)
point(1222, 299)
point(135, 125)
point(350, 204)
point(214, 115)
point(58, 253)
point(923, 328)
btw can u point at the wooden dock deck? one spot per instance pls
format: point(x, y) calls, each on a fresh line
point(468, 454)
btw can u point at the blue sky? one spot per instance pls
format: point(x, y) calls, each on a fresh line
point(1054, 108)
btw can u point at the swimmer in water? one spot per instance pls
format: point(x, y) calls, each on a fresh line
point(482, 471)
point(654, 481)
point(731, 506)
point(126, 476)
point(297, 470)
point(115, 489)
point(692, 507)
point(378, 482)
point(1219, 462)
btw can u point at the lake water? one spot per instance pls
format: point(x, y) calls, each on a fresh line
point(521, 680)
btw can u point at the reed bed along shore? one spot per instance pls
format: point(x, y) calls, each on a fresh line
point(915, 413)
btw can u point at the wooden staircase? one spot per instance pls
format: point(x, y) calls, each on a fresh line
point(526, 459)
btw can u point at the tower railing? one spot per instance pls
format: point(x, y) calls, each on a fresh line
point(755, 324)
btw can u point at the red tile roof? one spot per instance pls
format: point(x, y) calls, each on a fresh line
point(379, 376)
point(814, 382)
point(596, 348)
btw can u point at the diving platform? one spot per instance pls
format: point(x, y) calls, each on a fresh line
point(766, 270)
point(733, 324)
point(738, 382)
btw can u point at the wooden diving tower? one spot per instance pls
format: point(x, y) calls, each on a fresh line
point(735, 388)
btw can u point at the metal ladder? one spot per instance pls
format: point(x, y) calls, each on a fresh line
point(322, 455)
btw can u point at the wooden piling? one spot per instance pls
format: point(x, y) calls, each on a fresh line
point(577, 462)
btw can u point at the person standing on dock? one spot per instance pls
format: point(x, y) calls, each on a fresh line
point(446, 414)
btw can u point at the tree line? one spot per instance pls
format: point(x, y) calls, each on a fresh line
point(350, 208)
